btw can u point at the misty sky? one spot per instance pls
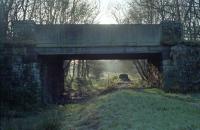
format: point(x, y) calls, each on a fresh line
point(105, 16)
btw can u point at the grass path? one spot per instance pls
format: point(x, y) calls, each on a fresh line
point(148, 109)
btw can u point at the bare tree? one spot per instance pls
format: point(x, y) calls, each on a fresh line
point(155, 11)
point(186, 12)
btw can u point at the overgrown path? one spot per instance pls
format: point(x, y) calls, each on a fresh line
point(124, 109)
point(150, 109)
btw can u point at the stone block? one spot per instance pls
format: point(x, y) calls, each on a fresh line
point(169, 77)
point(23, 30)
point(172, 33)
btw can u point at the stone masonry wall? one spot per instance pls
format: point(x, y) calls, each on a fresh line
point(186, 60)
point(184, 72)
point(20, 78)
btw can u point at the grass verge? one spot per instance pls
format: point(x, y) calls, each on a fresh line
point(149, 109)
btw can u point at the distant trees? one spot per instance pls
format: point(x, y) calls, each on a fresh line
point(5, 8)
point(96, 69)
point(79, 74)
point(148, 73)
point(155, 11)
point(48, 11)
point(186, 12)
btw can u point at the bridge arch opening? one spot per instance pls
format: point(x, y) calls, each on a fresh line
point(53, 72)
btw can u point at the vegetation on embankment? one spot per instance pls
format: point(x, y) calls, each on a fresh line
point(124, 109)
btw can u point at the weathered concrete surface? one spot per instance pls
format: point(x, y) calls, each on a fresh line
point(72, 39)
point(98, 50)
point(89, 35)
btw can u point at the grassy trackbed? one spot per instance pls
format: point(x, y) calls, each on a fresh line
point(149, 109)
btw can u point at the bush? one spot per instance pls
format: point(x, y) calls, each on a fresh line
point(82, 87)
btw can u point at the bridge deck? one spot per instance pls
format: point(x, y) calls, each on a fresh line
point(97, 50)
point(81, 35)
point(92, 38)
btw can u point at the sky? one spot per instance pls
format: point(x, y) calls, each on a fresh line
point(105, 16)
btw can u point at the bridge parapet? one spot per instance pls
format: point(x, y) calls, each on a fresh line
point(84, 35)
point(87, 35)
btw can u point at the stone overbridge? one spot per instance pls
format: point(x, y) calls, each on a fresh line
point(50, 45)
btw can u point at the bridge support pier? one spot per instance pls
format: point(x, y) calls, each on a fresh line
point(52, 76)
point(168, 70)
point(156, 61)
